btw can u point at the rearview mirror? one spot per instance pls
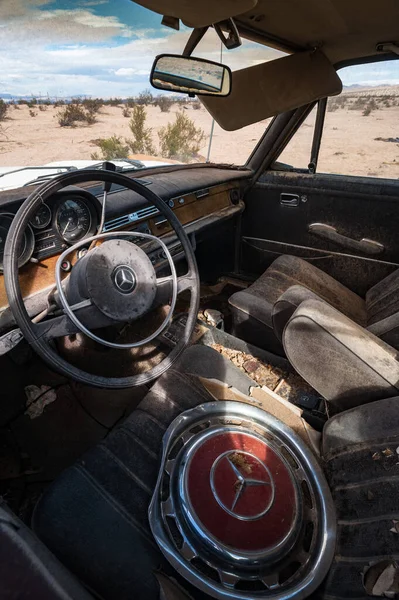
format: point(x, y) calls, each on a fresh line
point(190, 75)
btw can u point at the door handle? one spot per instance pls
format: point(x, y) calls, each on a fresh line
point(289, 199)
point(330, 233)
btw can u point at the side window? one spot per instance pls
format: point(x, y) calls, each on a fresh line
point(361, 128)
point(298, 150)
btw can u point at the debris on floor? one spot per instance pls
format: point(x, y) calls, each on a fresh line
point(37, 399)
point(288, 385)
point(382, 579)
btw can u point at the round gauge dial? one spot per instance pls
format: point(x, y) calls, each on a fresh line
point(73, 220)
point(41, 218)
point(27, 244)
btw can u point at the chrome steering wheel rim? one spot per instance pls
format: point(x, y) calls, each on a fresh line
point(37, 334)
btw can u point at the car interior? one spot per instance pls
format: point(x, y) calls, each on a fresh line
point(200, 371)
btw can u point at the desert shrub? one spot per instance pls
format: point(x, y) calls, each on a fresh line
point(196, 105)
point(113, 101)
point(32, 112)
point(181, 139)
point(42, 107)
point(15, 106)
point(130, 102)
point(73, 114)
point(142, 135)
point(3, 109)
point(111, 148)
point(22, 102)
point(145, 98)
point(92, 105)
point(59, 103)
point(366, 112)
point(164, 103)
point(126, 112)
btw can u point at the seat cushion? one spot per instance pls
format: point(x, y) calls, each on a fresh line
point(344, 362)
point(94, 516)
point(361, 464)
point(252, 308)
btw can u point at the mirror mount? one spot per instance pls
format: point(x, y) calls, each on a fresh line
point(194, 39)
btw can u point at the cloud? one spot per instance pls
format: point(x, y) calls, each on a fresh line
point(67, 52)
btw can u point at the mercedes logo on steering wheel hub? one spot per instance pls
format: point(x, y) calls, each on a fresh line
point(124, 279)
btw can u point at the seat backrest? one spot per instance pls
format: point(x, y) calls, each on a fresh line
point(28, 569)
point(344, 362)
point(382, 305)
point(382, 300)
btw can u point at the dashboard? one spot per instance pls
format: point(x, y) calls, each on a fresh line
point(74, 214)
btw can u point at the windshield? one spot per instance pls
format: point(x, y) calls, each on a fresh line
point(75, 87)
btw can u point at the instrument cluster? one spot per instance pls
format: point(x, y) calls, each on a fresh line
point(65, 219)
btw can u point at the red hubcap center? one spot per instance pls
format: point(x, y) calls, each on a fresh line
point(242, 492)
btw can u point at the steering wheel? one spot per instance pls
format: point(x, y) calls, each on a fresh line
point(113, 283)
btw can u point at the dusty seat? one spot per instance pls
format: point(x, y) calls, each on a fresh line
point(361, 464)
point(94, 517)
point(261, 311)
point(344, 362)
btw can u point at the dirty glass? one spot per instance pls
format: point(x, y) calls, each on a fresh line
point(75, 87)
point(361, 130)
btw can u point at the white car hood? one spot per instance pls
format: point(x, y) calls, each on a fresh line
point(18, 176)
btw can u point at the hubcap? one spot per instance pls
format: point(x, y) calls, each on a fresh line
point(241, 508)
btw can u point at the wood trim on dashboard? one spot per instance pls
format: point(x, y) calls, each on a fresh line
point(35, 277)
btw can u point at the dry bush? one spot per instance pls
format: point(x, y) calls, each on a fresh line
point(165, 103)
point(3, 109)
point(74, 114)
point(92, 105)
point(126, 112)
point(181, 139)
point(111, 148)
point(43, 107)
point(336, 102)
point(59, 103)
point(142, 135)
point(112, 101)
point(131, 102)
point(32, 113)
point(145, 98)
point(196, 105)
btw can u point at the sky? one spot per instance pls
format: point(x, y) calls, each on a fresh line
point(106, 48)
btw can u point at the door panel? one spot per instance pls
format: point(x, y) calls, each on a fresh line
point(364, 212)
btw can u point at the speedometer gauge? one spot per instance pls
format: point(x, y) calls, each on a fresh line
point(73, 219)
point(27, 244)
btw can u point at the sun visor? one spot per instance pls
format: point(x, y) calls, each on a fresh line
point(199, 14)
point(274, 87)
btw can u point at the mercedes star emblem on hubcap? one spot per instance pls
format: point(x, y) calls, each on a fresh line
point(124, 279)
point(249, 472)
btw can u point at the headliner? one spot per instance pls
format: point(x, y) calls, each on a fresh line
point(345, 30)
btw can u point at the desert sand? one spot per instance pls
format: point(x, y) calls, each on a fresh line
point(349, 143)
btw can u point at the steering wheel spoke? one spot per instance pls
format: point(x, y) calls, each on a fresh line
point(62, 325)
point(184, 282)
